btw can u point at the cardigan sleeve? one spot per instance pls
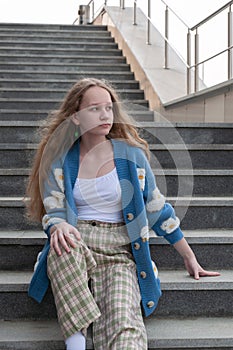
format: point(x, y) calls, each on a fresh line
point(54, 198)
point(161, 215)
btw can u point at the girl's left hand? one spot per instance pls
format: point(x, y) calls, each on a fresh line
point(190, 261)
point(195, 270)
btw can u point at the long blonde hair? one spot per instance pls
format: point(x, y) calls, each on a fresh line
point(123, 128)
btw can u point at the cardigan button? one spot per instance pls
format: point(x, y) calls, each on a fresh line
point(130, 216)
point(143, 274)
point(150, 304)
point(137, 246)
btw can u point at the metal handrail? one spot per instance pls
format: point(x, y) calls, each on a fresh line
point(174, 13)
point(91, 3)
point(211, 57)
point(229, 48)
point(212, 15)
point(196, 53)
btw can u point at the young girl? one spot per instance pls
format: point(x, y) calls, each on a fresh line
point(94, 191)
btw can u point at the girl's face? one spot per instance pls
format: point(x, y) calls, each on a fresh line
point(95, 114)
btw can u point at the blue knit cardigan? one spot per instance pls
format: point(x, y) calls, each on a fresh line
point(144, 208)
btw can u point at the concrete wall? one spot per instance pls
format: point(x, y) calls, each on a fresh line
point(210, 105)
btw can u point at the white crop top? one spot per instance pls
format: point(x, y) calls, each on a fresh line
point(99, 198)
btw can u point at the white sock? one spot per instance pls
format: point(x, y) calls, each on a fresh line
point(76, 341)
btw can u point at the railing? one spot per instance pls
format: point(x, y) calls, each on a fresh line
point(197, 62)
point(94, 11)
point(188, 60)
point(228, 49)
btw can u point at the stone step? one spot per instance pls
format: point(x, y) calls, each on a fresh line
point(69, 67)
point(182, 296)
point(49, 104)
point(57, 45)
point(198, 182)
point(16, 155)
point(89, 51)
point(207, 135)
point(33, 115)
point(127, 75)
point(20, 155)
point(62, 84)
point(29, 27)
point(166, 132)
point(199, 333)
point(40, 93)
point(195, 213)
point(76, 32)
point(188, 156)
point(79, 58)
point(60, 38)
point(213, 249)
point(58, 84)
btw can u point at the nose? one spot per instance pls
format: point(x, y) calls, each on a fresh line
point(103, 114)
point(103, 117)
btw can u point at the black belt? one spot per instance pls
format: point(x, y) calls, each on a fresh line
point(101, 223)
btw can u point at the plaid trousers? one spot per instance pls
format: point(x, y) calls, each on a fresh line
point(111, 301)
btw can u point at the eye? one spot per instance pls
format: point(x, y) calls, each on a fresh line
point(93, 109)
point(108, 108)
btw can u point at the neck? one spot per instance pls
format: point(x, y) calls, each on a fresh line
point(87, 143)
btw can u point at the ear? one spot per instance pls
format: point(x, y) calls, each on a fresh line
point(75, 118)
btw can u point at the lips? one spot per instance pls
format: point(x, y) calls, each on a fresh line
point(105, 125)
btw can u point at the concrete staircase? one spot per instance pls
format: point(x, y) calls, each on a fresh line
point(38, 63)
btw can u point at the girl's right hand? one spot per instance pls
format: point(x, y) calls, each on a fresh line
point(60, 237)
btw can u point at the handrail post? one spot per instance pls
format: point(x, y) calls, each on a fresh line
point(135, 13)
point(196, 82)
point(122, 4)
point(149, 23)
point(166, 38)
point(188, 62)
point(92, 10)
point(230, 42)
